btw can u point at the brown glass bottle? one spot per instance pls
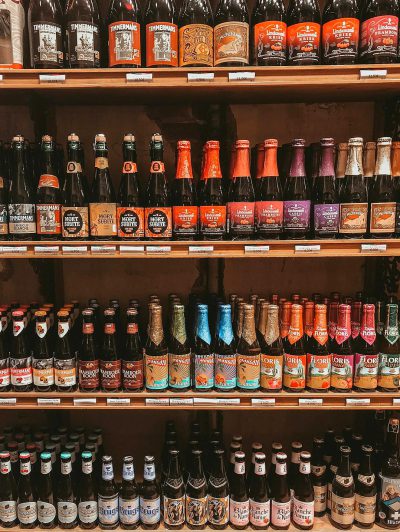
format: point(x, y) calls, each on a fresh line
point(46, 39)
point(88, 358)
point(174, 494)
point(340, 166)
point(196, 46)
point(294, 368)
point(303, 496)
point(340, 32)
point(388, 517)
point(110, 362)
point(132, 359)
point(389, 352)
point(248, 354)
point(26, 508)
point(196, 493)
point(280, 495)
point(318, 477)
point(8, 492)
point(303, 32)
point(231, 33)
point(369, 162)
point(42, 362)
point(21, 355)
point(268, 27)
point(342, 510)
point(366, 357)
point(149, 501)
point(156, 353)
point(259, 494)
point(318, 353)
point(108, 495)
point(12, 54)
point(160, 25)
point(239, 504)
point(271, 359)
point(379, 32)
point(180, 356)
point(87, 493)
point(64, 357)
point(83, 34)
point(185, 211)
point(124, 34)
point(218, 492)
point(342, 352)
point(365, 490)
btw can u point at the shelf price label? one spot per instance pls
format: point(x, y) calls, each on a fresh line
point(118, 401)
point(267, 401)
point(396, 401)
point(13, 249)
point(74, 250)
point(310, 402)
point(311, 248)
point(157, 401)
point(139, 76)
point(48, 401)
point(256, 249)
point(85, 401)
point(200, 76)
point(373, 248)
point(51, 78)
point(241, 76)
point(368, 73)
point(8, 400)
point(158, 249)
point(201, 249)
point(228, 401)
point(358, 402)
point(103, 250)
point(1, 77)
point(50, 250)
point(181, 401)
point(204, 400)
point(131, 249)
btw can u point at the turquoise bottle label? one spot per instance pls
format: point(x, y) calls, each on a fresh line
point(225, 372)
point(204, 371)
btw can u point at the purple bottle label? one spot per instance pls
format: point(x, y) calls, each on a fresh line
point(326, 217)
point(296, 214)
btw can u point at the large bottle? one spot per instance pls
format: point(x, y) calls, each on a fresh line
point(340, 32)
point(379, 31)
point(110, 363)
point(67, 510)
point(64, 357)
point(280, 495)
point(319, 477)
point(294, 368)
point(303, 496)
point(389, 352)
point(132, 359)
point(388, 515)
point(218, 492)
point(87, 494)
point(42, 362)
point(268, 23)
point(318, 353)
point(196, 24)
point(83, 34)
point(124, 41)
point(366, 357)
point(149, 501)
point(46, 39)
point(225, 352)
point(180, 356)
point(174, 493)
point(231, 33)
point(108, 497)
point(248, 354)
point(239, 504)
point(395, 164)
point(185, 213)
point(8, 493)
point(12, 34)
point(259, 494)
point(27, 506)
point(128, 496)
point(343, 355)
point(161, 29)
point(241, 200)
point(342, 499)
point(303, 32)
point(156, 353)
point(203, 357)
point(196, 493)
point(365, 490)
point(88, 358)
point(21, 355)
point(271, 360)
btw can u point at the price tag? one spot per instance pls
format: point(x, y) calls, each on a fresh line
point(131, 249)
point(13, 249)
point(358, 402)
point(156, 401)
point(201, 249)
point(396, 401)
point(373, 73)
point(181, 401)
point(241, 76)
point(158, 249)
point(118, 401)
point(48, 401)
point(85, 401)
point(1, 77)
point(8, 401)
point(374, 247)
point(74, 250)
point(256, 249)
point(139, 76)
point(267, 401)
point(51, 78)
point(103, 250)
point(200, 76)
point(204, 401)
point(47, 249)
point(310, 402)
point(228, 401)
point(312, 248)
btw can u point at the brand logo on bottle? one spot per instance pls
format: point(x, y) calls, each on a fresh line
point(75, 222)
point(271, 372)
point(270, 40)
point(124, 43)
point(161, 44)
point(158, 222)
point(303, 42)
point(196, 45)
point(231, 43)
point(379, 36)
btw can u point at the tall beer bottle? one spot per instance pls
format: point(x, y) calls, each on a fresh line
point(303, 32)
point(180, 356)
point(303, 496)
point(296, 198)
point(294, 365)
point(21, 355)
point(248, 354)
point(271, 360)
point(382, 199)
point(129, 496)
point(379, 32)
point(231, 33)
point(74, 210)
point(294, 466)
point(318, 353)
point(12, 54)
point(196, 24)
point(8, 493)
point(64, 359)
point(268, 33)
point(46, 508)
point(185, 212)
point(218, 492)
point(343, 355)
point(280, 495)
point(149, 501)
point(196, 493)
point(67, 510)
point(340, 166)
point(110, 363)
point(213, 215)
point(132, 359)
point(42, 361)
point(241, 201)
point(203, 352)
point(27, 507)
point(395, 164)
point(46, 40)
point(102, 206)
point(342, 503)
point(225, 352)
point(130, 211)
point(356, 309)
point(388, 515)
point(365, 491)
point(340, 32)
point(87, 494)
point(161, 30)
point(108, 496)
point(174, 494)
point(156, 353)
point(124, 46)
point(366, 358)
point(88, 358)
point(389, 352)
point(353, 196)
point(21, 206)
point(259, 495)
point(319, 477)
point(83, 34)
point(239, 504)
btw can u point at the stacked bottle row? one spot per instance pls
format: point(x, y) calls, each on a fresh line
point(280, 201)
point(266, 344)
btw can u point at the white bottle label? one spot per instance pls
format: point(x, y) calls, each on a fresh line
point(149, 472)
point(129, 511)
point(259, 513)
point(46, 512)
point(128, 472)
point(8, 511)
point(108, 509)
point(45, 468)
point(259, 469)
point(66, 468)
point(281, 469)
point(239, 512)
point(87, 467)
point(87, 511)
point(303, 512)
point(320, 495)
point(67, 512)
point(280, 514)
point(342, 509)
point(240, 468)
point(5, 467)
point(305, 468)
point(150, 511)
point(108, 472)
point(27, 512)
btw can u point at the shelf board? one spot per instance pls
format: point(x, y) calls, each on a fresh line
point(270, 84)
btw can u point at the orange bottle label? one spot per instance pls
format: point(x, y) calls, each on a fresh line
point(248, 372)
point(353, 217)
point(231, 43)
point(48, 180)
point(129, 168)
point(130, 222)
point(185, 219)
point(319, 371)
point(271, 372)
point(294, 371)
point(212, 219)
point(303, 41)
point(158, 222)
point(161, 44)
point(196, 45)
point(383, 217)
point(270, 40)
point(48, 219)
point(379, 36)
point(157, 167)
point(103, 219)
point(340, 38)
point(124, 43)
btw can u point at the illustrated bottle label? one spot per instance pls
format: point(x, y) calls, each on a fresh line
point(158, 222)
point(280, 513)
point(196, 511)
point(259, 513)
point(248, 372)
point(83, 44)
point(43, 372)
point(103, 219)
point(342, 509)
point(225, 372)
point(271, 372)
point(303, 512)
point(379, 36)
point(383, 218)
point(342, 371)
point(48, 219)
point(303, 41)
point(150, 512)
point(204, 371)
point(75, 222)
point(22, 218)
point(174, 511)
point(389, 371)
point(87, 512)
point(156, 372)
point(239, 512)
point(196, 45)
point(5, 377)
point(65, 372)
point(161, 44)
point(21, 371)
point(212, 220)
point(340, 38)
point(130, 222)
point(366, 371)
point(296, 214)
point(326, 218)
point(8, 511)
point(270, 40)
point(13, 15)
point(231, 43)
point(294, 371)
point(353, 218)
point(108, 510)
point(132, 374)
point(124, 43)
point(3, 216)
point(365, 509)
point(388, 512)
point(179, 370)
point(27, 512)
point(269, 216)
point(319, 371)
point(46, 512)
point(129, 511)
point(47, 44)
point(241, 217)
point(218, 510)
point(89, 374)
point(185, 220)
point(110, 374)
point(320, 493)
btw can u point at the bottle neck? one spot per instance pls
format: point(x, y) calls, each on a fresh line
point(382, 165)
point(368, 331)
point(326, 166)
point(225, 331)
point(270, 168)
point(128, 472)
point(129, 153)
point(297, 167)
point(107, 471)
point(296, 329)
point(354, 165)
point(320, 326)
point(242, 163)
point(343, 329)
point(174, 469)
point(184, 165)
point(73, 152)
point(344, 466)
point(156, 331)
point(212, 168)
point(203, 328)
point(366, 465)
point(392, 325)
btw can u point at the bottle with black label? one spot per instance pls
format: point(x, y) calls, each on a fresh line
point(149, 501)
point(27, 507)
point(174, 494)
point(21, 355)
point(196, 492)
point(64, 358)
point(318, 477)
point(128, 496)
point(42, 363)
point(124, 47)
point(108, 496)
point(67, 510)
point(365, 490)
point(87, 494)
point(47, 514)
point(8, 493)
point(83, 34)
point(45, 24)
point(342, 498)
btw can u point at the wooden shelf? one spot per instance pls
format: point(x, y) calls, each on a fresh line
point(270, 84)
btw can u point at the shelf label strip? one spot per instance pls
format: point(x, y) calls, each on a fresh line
point(8, 401)
point(13, 249)
point(241, 76)
point(256, 249)
point(139, 76)
point(266, 401)
point(157, 401)
point(181, 401)
point(118, 401)
point(374, 247)
point(201, 249)
point(74, 250)
point(48, 401)
point(310, 402)
point(358, 402)
point(51, 78)
point(311, 248)
point(103, 250)
point(85, 401)
point(368, 73)
point(47, 249)
point(158, 249)
point(200, 76)
point(131, 249)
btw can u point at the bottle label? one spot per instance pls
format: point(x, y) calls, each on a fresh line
point(47, 45)
point(294, 371)
point(231, 43)
point(342, 509)
point(130, 222)
point(179, 370)
point(129, 511)
point(124, 43)
point(342, 372)
point(14, 18)
point(65, 372)
point(150, 512)
point(270, 40)
point(240, 467)
point(218, 510)
point(3, 218)
point(204, 371)
point(303, 512)
point(379, 36)
point(156, 372)
point(161, 44)
point(388, 512)
point(196, 511)
point(366, 371)
point(397, 223)
point(73, 167)
point(259, 513)
point(158, 222)
point(89, 374)
point(45, 468)
point(340, 38)
point(241, 217)
point(269, 215)
point(75, 222)
point(303, 42)
point(383, 218)
point(225, 372)
point(248, 372)
point(8, 511)
point(5, 378)
point(22, 218)
point(212, 220)
point(239, 512)
point(132, 374)
point(43, 373)
point(108, 510)
point(318, 371)
point(196, 45)
point(21, 371)
point(83, 44)
point(27, 513)
point(389, 371)
point(280, 514)
point(87, 512)
point(326, 217)
point(110, 374)
point(320, 493)
point(174, 511)
point(271, 372)
point(296, 214)
point(103, 219)
point(185, 220)
point(365, 509)
point(46, 512)
point(353, 218)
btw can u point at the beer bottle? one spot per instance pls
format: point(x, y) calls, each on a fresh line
point(241, 201)
point(196, 24)
point(42, 362)
point(132, 360)
point(319, 477)
point(388, 515)
point(8, 493)
point(185, 210)
point(303, 32)
point(46, 509)
point(129, 496)
point(269, 33)
point(231, 33)
point(271, 360)
point(218, 492)
point(12, 55)
point(395, 164)
point(342, 353)
point(379, 32)
point(296, 204)
point(110, 363)
point(353, 196)
point(340, 166)
point(342, 498)
point(389, 352)
point(259, 494)
point(196, 493)
point(27, 507)
point(149, 501)
point(275, 449)
point(107, 496)
point(356, 309)
point(248, 354)
point(318, 353)
point(365, 491)
point(102, 206)
point(294, 366)
point(21, 206)
point(83, 34)
point(124, 49)
point(4, 351)
point(239, 504)
point(303, 496)
point(64, 359)
point(88, 363)
point(45, 25)
point(161, 34)
point(225, 352)
point(87, 494)
point(366, 353)
point(203, 352)
point(74, 209)
point(4, 166)
point(369, 162)
point(294, 466)
point(67, 510)
point(308, 313)
point(174, 494)
point(21, 355)
point(340, 32)
point(280, 495)
point(156, 352)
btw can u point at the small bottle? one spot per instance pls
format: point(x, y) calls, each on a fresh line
point(174, 494)
point(8, 493)
point(88, 357)
point(259, 494)
point(196, 32)
point(110, 363)
point(248, 354)
point(342, 499)
point(156, 350)
point(42, 362)
point(132, 359)
point(196, 493)
point(318, 354)
point(365, 491)
point(149, 501)
point(280, 495)
point(225, 352)
point(87, 494)
point(179, 357)
point(231, 33)
point(389, 352)
point(185, 212)
point(67, 510)
point(128, 496)
point(64, 359)
point(389, 517)
point(46, 504)
point(27, 507)
point(21, 355)
point(108, 496)
point(269, 33)
point(340, 32)
point(366, 358)
point(271, 359)
point(239, 504)
point(294, 368)
point(203, 352)
point(303, 496)
point(342, 353)
point(318, 477)
point(303, 32)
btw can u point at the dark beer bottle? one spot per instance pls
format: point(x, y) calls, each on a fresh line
point(42, 362)
point(161, 34)
point(294, 365)
point(294, 466)
point(276, 447)
point(248, 354)
point(12, 55)
point(271, 360)
point(110, 362)
point(379, 32)
point(46, 40)
point(64, 359)
point(340, 32)
point(87, 494)
point(83, 34)
point(203, 357)
point(27, 506)
point(46, 508)
point(259, 494)
point(303, 32)
point(108, 496)
point(21, 355)
point(185, 210)
point(342, 352)
point(388, 516)
point(366, 357)
point(128, 496)
point(149, 501)
point(156, 353)
point(280, 495)
point(196, 34)
point(356, 309)
point(88, 358)
point(303, 495)
point(225, 352)
point(8, 493)
point(239, 504)
point(342, 498)
point(231, 33)
point(268, 42)
point(365, 491)
point(132, 359)
point(67, 510)
point(319, 477)
point(196, 493)
point(124, 47)
point(369, 162)
point(218, 492)
point(174, 494)
point(389, 352)
point(318, 353)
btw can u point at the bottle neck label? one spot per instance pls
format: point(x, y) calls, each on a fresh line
point(128, 472)
point(45, 467)
point(87, 467)
point(318, 470)
point(119, 34)
point(18, 327)
point(101, 163)
point(63, 328)
point(5, 467)
point(73, 167)
point(240, 468)
point(305, 468)
point(281, 469)
point(149, 472)
point(107, 471)
point(25, 468)
point(259, 469)
point(270, 42)
point(41, 329)
point(231, 43)
point(48, 181)
point(66, 468)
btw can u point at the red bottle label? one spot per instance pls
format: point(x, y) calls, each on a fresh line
point(161, 44)
point(269, 216)
point(4, 373)
point(340, 38)
point(270, 40)
point(48, 180)
point(110, 373)
point(319, 371)
point(185, 219)
point(89, 374)
point(379, 36)
point(124, 43)
point(48, 219)
point(303, 42)
point(130, 222)
point(129, 167)
point(241, 216)
point(158, 222)
point(212, 220)
point(132, 374)
point(366, 371)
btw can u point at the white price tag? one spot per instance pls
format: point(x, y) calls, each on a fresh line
point(373, 247)
point(200, 76)
point(47, 249)
point(396, 401)
point(358, 402)
point(139, 76)
point(1, 77)
point(368, 73)
point(310, 402)
point(204, 401)
point(156, 401)
point(266, 401)
point(201, 249)
point(228, 401)
point(51, 78)
point(256, 249)
point(312, 248)
point(131, 249)
point(8, 401)
point(13, 249)
point(181, 401)
point(103, 250)
point(158, 249)
point(48, 401)
point(74, 250)
point(118, 401)
point(85, 401)
point(241, 76)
